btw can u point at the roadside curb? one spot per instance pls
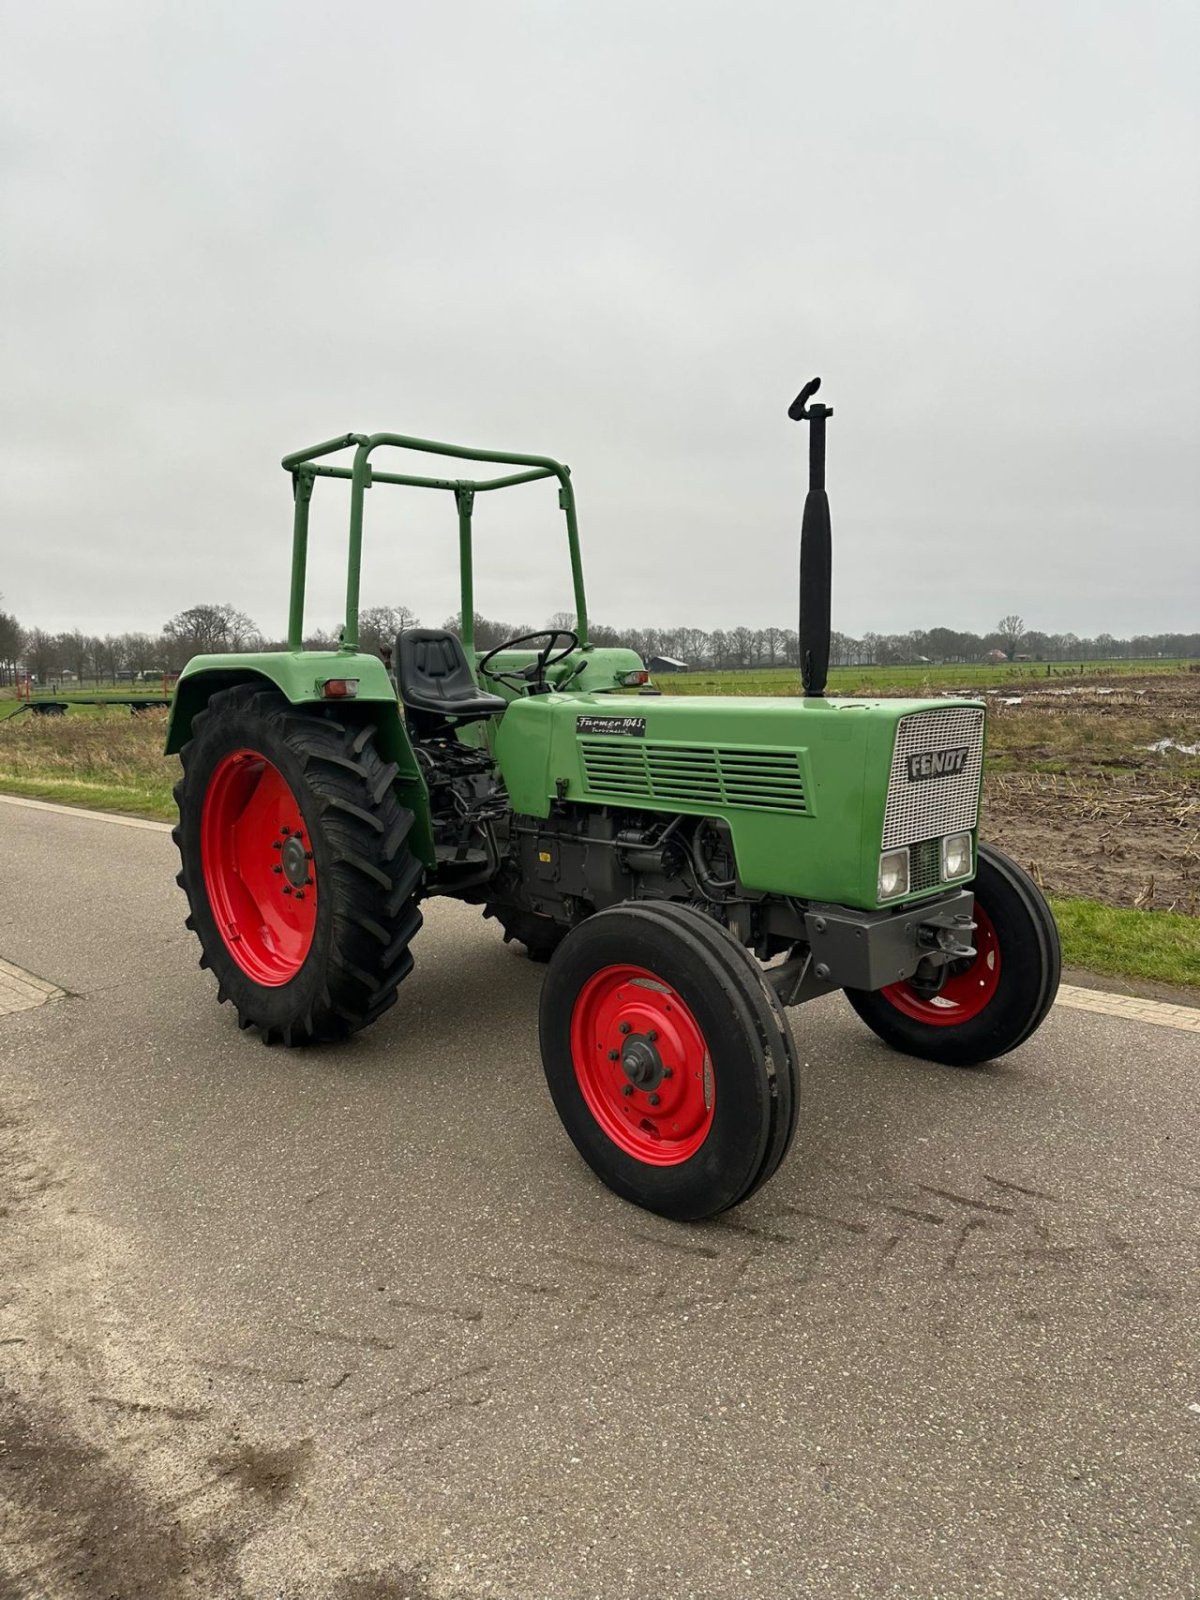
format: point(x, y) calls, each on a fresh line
point(1133, 1008)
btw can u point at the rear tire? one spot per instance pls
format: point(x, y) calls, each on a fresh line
point(993, 1004)
point(698, 1108)
point(301, 884)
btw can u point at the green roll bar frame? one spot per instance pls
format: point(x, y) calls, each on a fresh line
point(300, 464)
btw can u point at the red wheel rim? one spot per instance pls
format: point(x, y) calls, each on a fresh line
point(965, 993)
point(259, 870)
point(642, 1065)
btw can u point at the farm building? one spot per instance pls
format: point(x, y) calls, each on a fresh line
point(665, 664)
point(996, 658)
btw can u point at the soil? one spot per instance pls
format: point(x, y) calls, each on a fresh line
point(1078, 795)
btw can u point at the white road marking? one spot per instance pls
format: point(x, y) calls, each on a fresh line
point(1130, 1006)
point(21, 991)
point(78, 811)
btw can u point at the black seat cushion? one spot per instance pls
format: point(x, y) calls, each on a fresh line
point(434, 676)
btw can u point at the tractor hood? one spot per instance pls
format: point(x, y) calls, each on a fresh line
point(808, 786)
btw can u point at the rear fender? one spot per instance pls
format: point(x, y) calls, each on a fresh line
point(301, 678)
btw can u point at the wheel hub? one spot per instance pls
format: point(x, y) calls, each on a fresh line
point(295, 861)
point(642, 1063)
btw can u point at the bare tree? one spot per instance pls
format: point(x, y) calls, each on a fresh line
point(140, 653)
point(1011, 630)
point(43, 655)
point(75, 650)
point(12, 641)
point(379, 625)
point(210, 630)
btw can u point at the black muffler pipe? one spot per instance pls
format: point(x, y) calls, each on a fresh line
point(816, 547)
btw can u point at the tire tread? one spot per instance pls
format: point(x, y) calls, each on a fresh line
point(369, 873)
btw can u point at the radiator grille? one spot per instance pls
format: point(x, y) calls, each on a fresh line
point(925, 866)
point(931, 807)
point(694, 775)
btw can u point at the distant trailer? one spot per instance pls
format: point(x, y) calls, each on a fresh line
point(58, 708)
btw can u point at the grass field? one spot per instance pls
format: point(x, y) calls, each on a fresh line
point(98, 756)
point(917, 680)
point(1074, 789)
point(1154, 946)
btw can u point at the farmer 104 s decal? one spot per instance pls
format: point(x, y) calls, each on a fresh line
point(688, 866)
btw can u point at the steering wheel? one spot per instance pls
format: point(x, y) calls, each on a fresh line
point(532, 677)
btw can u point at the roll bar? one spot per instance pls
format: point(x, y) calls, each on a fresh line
point(304, 470)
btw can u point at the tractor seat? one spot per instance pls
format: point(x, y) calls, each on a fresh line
point(434, 676)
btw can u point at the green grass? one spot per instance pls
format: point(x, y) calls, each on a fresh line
point(131, 800)
point(1161, 946)
point(100, 757)
point(916, 681)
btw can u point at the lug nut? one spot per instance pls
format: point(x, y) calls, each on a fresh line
point(285, 832)
point(614, 1055)
point(276, 845)
point(653, 1099)
point(668, 1072)
point(276, 868)
point(625, 1027)
point(627, 1090)
point(652, 1035)
point(299, 894)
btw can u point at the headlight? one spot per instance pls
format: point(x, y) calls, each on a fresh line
point(956, 856)
point(893, 874)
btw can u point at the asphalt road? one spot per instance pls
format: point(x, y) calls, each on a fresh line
point(357, 1323)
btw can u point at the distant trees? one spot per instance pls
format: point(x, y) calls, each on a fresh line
point(489, 632)
point(209, 630)
point(12, 640)
point(219, 629)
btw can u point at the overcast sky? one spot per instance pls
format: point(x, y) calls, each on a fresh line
point(622, 234)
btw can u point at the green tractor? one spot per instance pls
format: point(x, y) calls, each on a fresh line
point(688, 866)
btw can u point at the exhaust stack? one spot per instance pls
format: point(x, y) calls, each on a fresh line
point(816, 547)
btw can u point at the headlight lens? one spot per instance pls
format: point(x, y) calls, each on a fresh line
point(956, 856)
point(893, 874)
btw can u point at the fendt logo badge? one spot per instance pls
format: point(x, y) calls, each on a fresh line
point(937, 763)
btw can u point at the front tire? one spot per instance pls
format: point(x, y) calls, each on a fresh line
point(993, 1003)
point(668, 1059)
point(301, 885)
